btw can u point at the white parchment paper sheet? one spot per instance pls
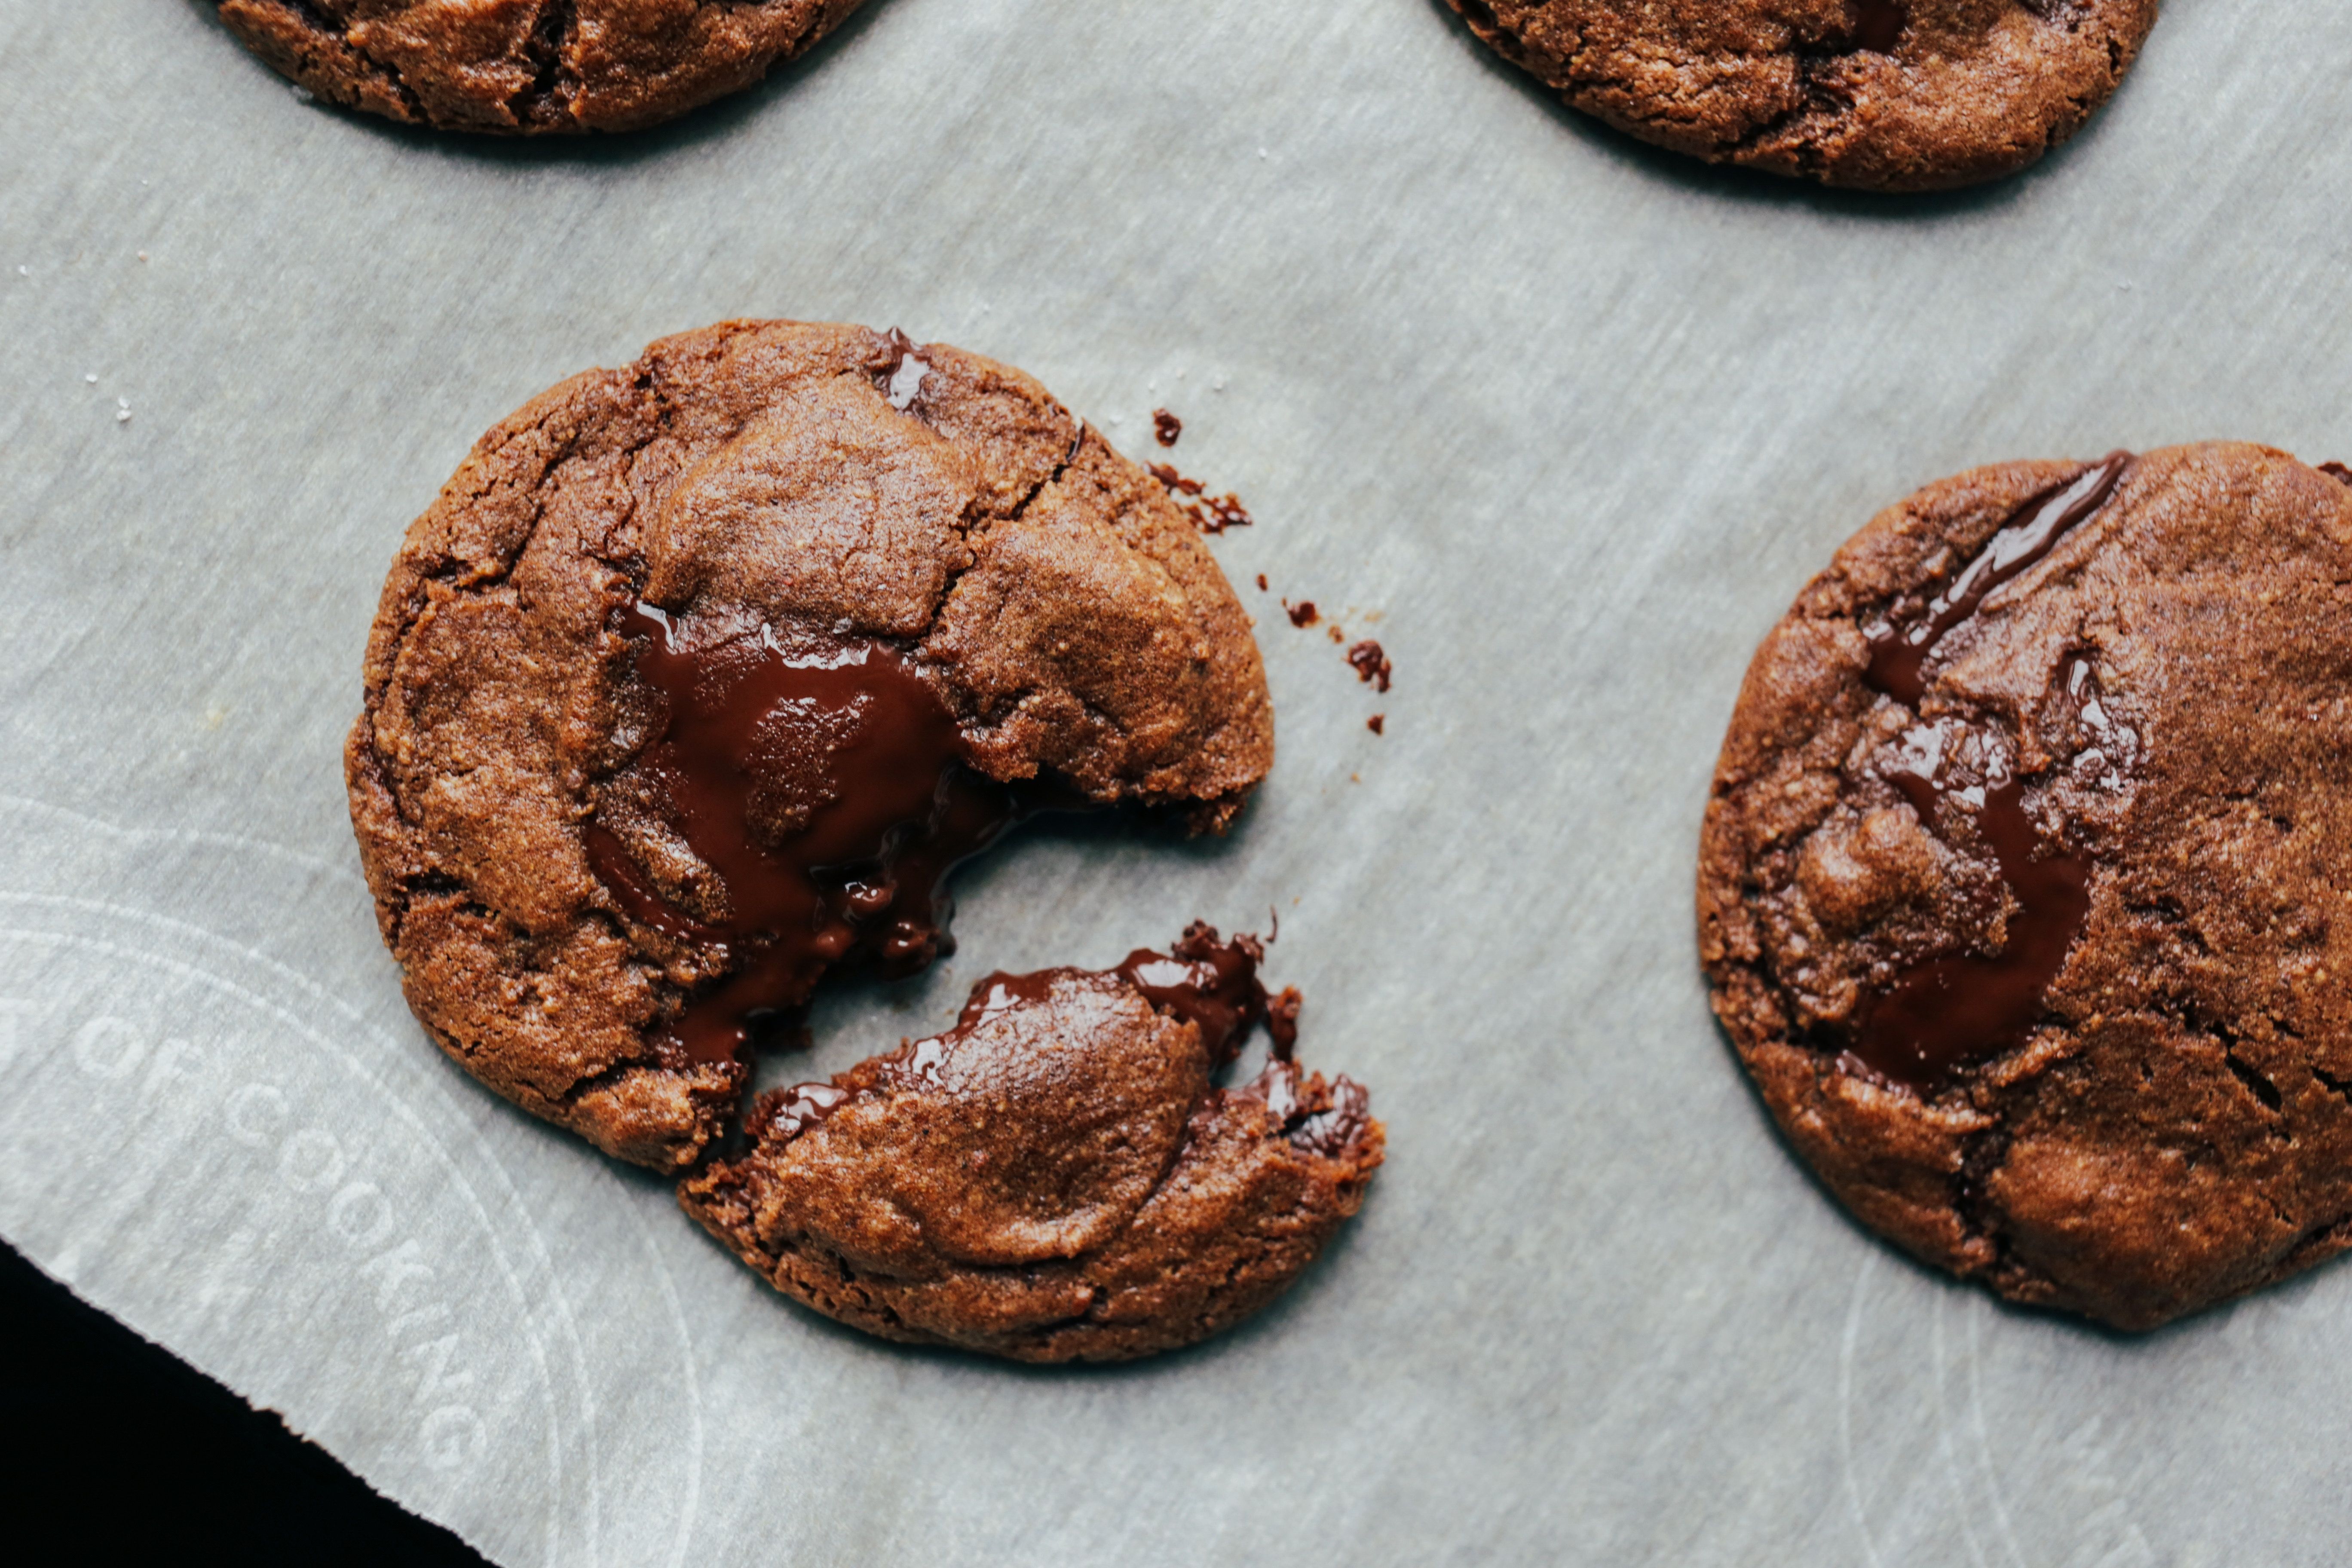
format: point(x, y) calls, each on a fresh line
point(1564, 422)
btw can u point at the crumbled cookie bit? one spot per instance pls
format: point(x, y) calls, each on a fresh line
point(1210, 514)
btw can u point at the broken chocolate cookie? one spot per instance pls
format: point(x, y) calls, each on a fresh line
point(2025, 889)
point(701, 676)
point(1057, 1177)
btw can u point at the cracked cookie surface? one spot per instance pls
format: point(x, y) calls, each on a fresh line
point(1056, 1178)
point(528, 66)
point(1893, 95)
point(797, 502)
point(2025, 886)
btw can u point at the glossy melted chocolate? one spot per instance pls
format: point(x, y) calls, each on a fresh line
point(1210, 983)
point(1898, 654)
point(1954, 1012)
point(825, 788)
point(1214, 985)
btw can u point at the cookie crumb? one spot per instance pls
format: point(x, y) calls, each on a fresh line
point(1210, 514)
point(2337, 471)
point(1376, 723)
point(1165, 426)
point(1372, 666)
point(1177, 484)
point(1224, 511)
point(1302, 614)
point(1261, 576)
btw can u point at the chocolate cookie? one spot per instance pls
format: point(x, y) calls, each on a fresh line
point(2025, 889)
point(530, 66)
point(1887, 95)
point(701, 676)
point(1056, 1178)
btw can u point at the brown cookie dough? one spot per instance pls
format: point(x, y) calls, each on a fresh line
point(1056, 1178)
point(701, 674)
point(531, 66)
point(1887, 95)
point(2025, 891)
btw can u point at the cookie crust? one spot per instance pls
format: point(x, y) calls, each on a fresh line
point(528, 66)
point(2175, 1128)
point(1886, 95)
point(777, 474)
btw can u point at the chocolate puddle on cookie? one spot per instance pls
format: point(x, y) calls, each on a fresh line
point(825, 787)
point(1953, 1011)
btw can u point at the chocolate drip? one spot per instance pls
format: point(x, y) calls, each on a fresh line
point(825, 786)
point(1954, 1012)
point(1898, 654)
point(1214, 985)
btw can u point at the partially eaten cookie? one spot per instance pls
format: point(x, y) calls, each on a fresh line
point(695, 686)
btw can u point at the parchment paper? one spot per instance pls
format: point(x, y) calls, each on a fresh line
point(1564, 422)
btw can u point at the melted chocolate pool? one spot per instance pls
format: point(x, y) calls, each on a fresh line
point(1954, 1012)
point(826, 787)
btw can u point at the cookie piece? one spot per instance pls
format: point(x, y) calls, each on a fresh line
point(1885, 95)
point(2025, 889)
point(528, 66)
point(1056, 1178)
point(701, 674)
